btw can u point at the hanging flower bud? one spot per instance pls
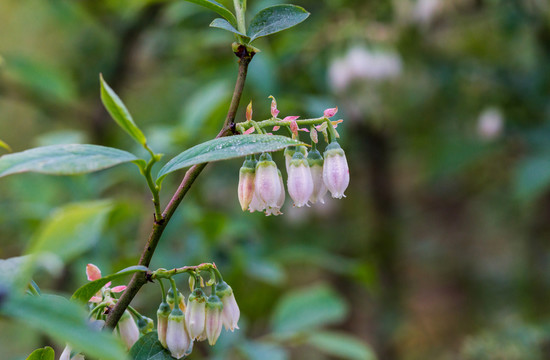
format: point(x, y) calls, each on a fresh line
point(214, 308)
point(315, 161)
point(195, 316)
point(277, 210)
point(128, 330)
point(66, 354)
point(230, 312)
point(249, 111)
point(145, 325)
point(177, 339)
point(246, 183)
point(181, 299)
point(299, 182)
point(162, 321)
point(335, 170)
point(267, 184)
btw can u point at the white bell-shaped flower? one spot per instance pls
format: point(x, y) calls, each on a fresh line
point(230, 312)
point(335, 170)
point(299, 182)
point(177, 338)
point(128, 329)
point(246, 183)
point(162, 321)
point(195, 315)
point(315, 161)
point(267, 184)
point(214, 308)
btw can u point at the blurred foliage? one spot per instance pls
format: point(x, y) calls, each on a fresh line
point(445, 227)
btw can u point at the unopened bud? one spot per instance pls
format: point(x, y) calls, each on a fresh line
point(300, 183)
point(230, 312)
point(315, 161)
point(335, 170)
point(214, 308)
point(195, 316)
point(267, 184)
point(246, 183)
point(128, 330)
point(170, 299)
point(162, 321)
point(177, 339)
point(145, 325)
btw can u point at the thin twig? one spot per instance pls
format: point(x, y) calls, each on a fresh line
point(140, 279)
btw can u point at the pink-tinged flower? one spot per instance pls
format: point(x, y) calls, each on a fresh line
point(128, 330)
point(274, 110)
point(249, 131)
point(177, 338)
point(230, 312)
point(249, 111)
point(276, 128)
point(315, 161)
point(299, 182)
point(267, 181)
point(162, 321)
point(294, 127)
point(330, 112)
point(256, 204)
point(195, 316)
point(335, 170)
point(246, 186)
point(214, 308)
point(93, 273)
point(277, 210)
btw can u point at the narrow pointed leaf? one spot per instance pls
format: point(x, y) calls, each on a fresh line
point(226, 148)
point(225, 25)
point(217, 7)
point(84, 293)
point(274, 19)
point(69, 159)
point(119, 112)
point(148, 347)
point(65, 322)
point(5, 146)
point(45, 353)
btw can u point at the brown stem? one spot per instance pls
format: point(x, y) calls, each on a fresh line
point(140, 279)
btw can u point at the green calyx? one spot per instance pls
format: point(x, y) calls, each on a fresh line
point(298, 159)
point(164, 309)
point(249, 164)
point(214, 302)
point(314, 158)
point(334, 149)
point(265, 157)
point(197, 295)
point(223, 290)
point(176, 314)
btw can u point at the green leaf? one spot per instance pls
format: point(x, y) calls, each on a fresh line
point(84, 293)
point(5, 146)
point(341, 346)
point(63, 159)
point(226, 148)
point(10, 270)
point(305, 309)
point(46, 353)
point(64, 321)
point(120, 113)
point(274, 19)
point(217, 7)
point(225, 25)
point(71, 230)
point(148, 347)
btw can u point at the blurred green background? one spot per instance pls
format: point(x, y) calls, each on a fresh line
point(439, 251)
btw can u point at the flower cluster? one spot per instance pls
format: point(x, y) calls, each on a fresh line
point(201, 319)
point(310, 174)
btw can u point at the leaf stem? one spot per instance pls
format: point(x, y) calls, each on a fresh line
point(240, 8)
point(228, 128)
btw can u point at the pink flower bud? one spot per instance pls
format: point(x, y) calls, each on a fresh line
point(162, 322)
point(128, 329)
point(214, 308)
point(246, 183)
point(330, 112)
point(195, 316)
point(274, 111)
point(315, 161)
point(335, 170)
point(230, 312)
point(300, 183)
point(177, 339)
point(267, 184)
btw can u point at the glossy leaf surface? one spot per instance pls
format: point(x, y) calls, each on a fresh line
point(274, 19)
point(69, 159)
